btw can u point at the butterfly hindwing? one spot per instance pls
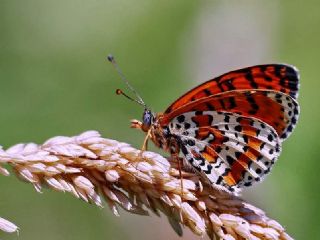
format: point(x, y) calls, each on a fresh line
point(230, 150)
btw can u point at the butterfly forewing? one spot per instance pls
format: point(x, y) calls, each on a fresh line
point(278, 77)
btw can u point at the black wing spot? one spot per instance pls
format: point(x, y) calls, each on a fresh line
point(181, 118)
point(222, 104)
point(202, 163)
point(210, 107)
point(278, 96)
point(184, 150)
point(255, 106)
point(258, 132)
point(238, 128)
point(252, 112)
point(191, 142)
point(230, 160)
point(277, 147)
point(237, 154)
point(232, 103)
point(249, 77)
point(270, 137)
point(294, 120)
point(219, 180)
point(267, 78)
point(207, 92)
point(218, 149)
point(209, 169)
point(247, 184)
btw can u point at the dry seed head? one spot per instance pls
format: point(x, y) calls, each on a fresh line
point(90, 167)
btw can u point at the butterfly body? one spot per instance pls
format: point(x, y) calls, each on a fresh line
point(230, 129)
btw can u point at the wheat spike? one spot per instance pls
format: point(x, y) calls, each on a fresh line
point(91, 168)
point(7, 226)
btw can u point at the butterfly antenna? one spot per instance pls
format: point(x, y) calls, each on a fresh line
point(120, 92)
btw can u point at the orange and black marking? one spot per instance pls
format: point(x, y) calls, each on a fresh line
point(276, 77)
point(230, 128)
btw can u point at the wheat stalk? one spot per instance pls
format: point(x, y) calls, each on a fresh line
point(91, 168)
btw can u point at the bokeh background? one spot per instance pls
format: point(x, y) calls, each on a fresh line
point(54, 80)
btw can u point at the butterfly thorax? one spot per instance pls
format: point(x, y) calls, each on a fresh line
point(161, 135)
point(162, 138)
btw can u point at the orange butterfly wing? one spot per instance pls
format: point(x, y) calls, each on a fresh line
point(266, 92)
point(277, 77)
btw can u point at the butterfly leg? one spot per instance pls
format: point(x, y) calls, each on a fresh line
point(174, 151)
point(138, 125)
point(181, 177)
point(144, 145)
point(175, 157)
point(145, 142)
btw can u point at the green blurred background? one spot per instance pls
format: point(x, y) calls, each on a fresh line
point(54, 80)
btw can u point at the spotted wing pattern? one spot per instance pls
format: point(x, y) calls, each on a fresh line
point(230, 128)
point(228, 149)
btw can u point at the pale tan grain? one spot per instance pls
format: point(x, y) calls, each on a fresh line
point(91, 168)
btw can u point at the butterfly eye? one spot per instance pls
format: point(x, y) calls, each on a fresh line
point(147, 119)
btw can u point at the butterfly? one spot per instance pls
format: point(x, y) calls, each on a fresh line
point(229, 129)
